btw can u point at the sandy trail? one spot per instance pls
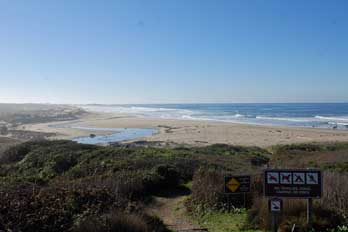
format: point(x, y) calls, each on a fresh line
point(170, 208)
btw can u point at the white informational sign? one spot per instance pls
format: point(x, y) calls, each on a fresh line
point(275, 205)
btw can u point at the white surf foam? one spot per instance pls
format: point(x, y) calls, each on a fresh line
point(206, 115)
point(338, 123)
point(338, 119)
point(141, 111)
point(285, 119)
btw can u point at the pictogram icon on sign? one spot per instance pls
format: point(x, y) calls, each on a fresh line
point(312, 178)
point(273, 178)
point(275, 205)
point(299, 178)
point(285, 178)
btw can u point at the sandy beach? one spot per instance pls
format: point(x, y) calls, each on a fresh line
point(193, 132)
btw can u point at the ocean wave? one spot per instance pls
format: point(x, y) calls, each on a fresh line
point(189, 117)
point(238, 116)
point(149, 109)
point(338, 123)
point(230, 118)
point(225, 116)
point(135, 110)
point(339, 119)
point(285, 119)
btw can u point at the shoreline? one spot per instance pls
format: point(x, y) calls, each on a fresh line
point(192, 132)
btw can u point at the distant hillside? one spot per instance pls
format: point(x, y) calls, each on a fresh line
point(17, 114)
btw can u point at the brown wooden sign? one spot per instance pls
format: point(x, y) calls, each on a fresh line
point(295, 183)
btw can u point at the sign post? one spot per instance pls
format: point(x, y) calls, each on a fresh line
point(294, 183)
point(275, 206)
point(309, 212)
point(237, 185)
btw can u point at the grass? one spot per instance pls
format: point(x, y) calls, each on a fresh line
point(331, 156)
point(213, 220)
point(188, 185)
point(90, 181)
point(216, 221)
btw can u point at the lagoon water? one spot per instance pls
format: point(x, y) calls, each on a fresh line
point(121, 134)
point(318, 115)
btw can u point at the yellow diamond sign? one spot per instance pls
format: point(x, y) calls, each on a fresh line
point(237, 184)
point(233, 184)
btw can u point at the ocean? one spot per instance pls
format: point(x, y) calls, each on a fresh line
point(317, 115)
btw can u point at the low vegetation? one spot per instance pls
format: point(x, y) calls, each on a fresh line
point(330, 211)
point(65, 186)
point(55, 185)
point(224, 221)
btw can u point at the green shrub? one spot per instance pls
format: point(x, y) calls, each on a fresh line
point(310, 147)
point(15, 153)
point(294, 213)
point(259, 160)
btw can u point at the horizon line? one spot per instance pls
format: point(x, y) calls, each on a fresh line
point(177, 103)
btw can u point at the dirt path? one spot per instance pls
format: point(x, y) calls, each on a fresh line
point(170, 208)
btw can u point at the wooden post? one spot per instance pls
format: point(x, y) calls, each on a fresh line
point(309, 212)
point(275, 207)
point(229, 202)
point(274, 222)
point(244, 201)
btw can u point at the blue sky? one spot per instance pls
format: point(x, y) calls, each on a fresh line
point(173, 51)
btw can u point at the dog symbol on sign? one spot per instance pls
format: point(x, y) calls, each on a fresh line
point(312, 178)
point(285, 178)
